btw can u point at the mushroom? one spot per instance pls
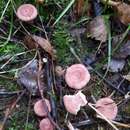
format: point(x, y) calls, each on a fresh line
point(74, 102)
point(77, 76)
point(27, 12)
point(40, 109)
point(45, 124)
point(107, 107)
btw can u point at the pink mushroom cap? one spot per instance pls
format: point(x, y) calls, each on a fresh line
point(27, 12)
point(77, 76)
point(107, 107)
point(45, 124)
point(74, 102)
point(40, 109)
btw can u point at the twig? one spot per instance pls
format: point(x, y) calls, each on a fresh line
point(9, 78)
point(43, 28)
point(121, 124)
point(10, 93)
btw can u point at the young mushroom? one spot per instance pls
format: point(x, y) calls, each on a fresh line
point(107, 107)
point(40, 109)
point(77, 76)
point(27, 12)
point(74, 102)
point(45, 124)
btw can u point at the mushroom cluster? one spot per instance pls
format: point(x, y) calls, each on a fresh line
point(77, 76)
point(41, 109)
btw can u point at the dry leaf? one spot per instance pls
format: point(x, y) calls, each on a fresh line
point(122, 9)
point(44, 44)
point(97, 29)
point(33, 41)
point(29, 42)
point(27, 77)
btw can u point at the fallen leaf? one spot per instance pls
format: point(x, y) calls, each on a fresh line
point(123, 12)
point(122, 9)
point(116, 65)
point(97, 29)
point(29, 42)
point(44, 44)
point(27, 77)
point(33, 41)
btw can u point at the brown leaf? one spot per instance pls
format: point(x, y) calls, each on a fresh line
point(29, 42)
point(97, 29)
point(123, 11)
point(27, 77)
point(44, 44)
point(33, 41)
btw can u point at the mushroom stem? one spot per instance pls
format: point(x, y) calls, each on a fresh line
point(107, 120)
point(110, 2)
